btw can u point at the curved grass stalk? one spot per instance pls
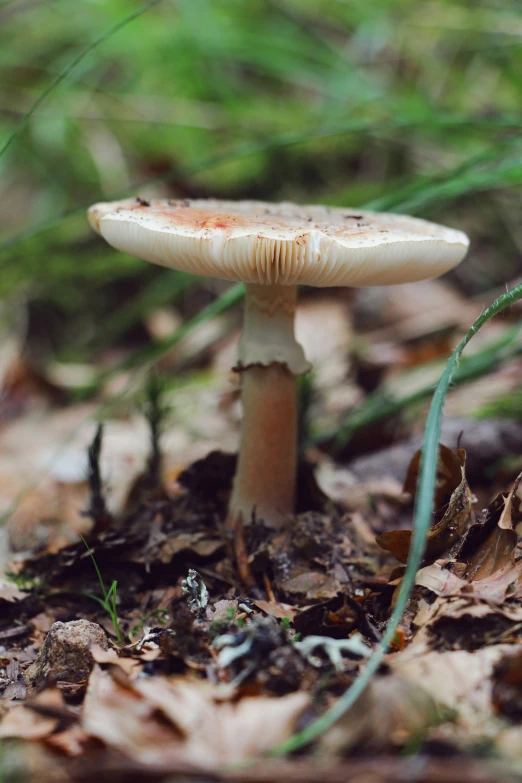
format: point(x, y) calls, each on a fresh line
point(422, 520)
point(70, 67)
point(378, 405)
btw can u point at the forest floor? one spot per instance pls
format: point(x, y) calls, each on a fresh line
point(163, 647)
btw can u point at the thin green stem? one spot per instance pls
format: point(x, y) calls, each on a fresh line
point(378, 405)
point(145, 357)
point(95, 564)
point(422, 521)
point(70, 67)
point(109, 601)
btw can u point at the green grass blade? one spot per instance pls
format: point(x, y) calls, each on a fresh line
point(422, 522)
point(379, 405)
point(162, 290)
point(86, 594)
point(152, 353)
point(112, 608)
point(98, 572)
point(70, 67)
point(112, 589)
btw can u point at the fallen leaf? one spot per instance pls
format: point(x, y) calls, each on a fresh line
point(413, 310)
point(23, 723)
point(497, 551)
point(42, 622)
point(313, 585)
point(14, 686)
point(449, 474)
point(202, 544)
point(458, 679)
point(461, 622)
point(278, 610)
point(35, 719)
point(131, 666)
point(161, 721)
point(390, 711)
point(490, 571)
point(71, 742)
point(439, 580)
point(449, 530)
point(10, 592)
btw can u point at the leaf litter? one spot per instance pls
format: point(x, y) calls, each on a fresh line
point(232, 643)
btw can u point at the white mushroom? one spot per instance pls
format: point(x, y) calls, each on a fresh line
point(273, 248)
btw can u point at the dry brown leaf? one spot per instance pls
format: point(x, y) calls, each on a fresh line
point(413, 310)
point(23, 723)
point(118, 715)
point(71, 742)
point(501, 584)
point(43, 621)
point(497, 551)
point(355, 492)
point(458, 679)
point(166, 721)
point(491, 572)
point(456, 608)
point(277, 610)
point(390, 711)
point(13, 687)
point(165, 548)
point(456, 520)
point(492, 556)
point(43, 460)
point(439, 580)
point(35, 719)
point(449, 474)
point(131, 666)
point(313, 585)
point(10, 592)
point(227, 733)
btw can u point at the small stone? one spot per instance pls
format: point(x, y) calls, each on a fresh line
point(65, 655)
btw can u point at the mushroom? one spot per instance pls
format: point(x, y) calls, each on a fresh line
point(273, 248)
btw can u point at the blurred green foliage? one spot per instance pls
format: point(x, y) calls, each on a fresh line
point(396, 104)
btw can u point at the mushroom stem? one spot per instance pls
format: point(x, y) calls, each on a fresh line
point(266, 468)
point(269, 358)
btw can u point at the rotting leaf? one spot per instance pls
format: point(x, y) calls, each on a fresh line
point(385, 716)
point(313, 585)
point(171, 721)
point(14, 686)
point(131, 666)
point(489, 571)
point(439, 580)
point(278, 610)
point(449, 530)
point(36, 719)
point(497, 551)
point(449, 474)
point(457, 679)
point(461, 622)
point(200, 543)
point(10, 592)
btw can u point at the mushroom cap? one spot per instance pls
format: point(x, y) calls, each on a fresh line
point(280, 244)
